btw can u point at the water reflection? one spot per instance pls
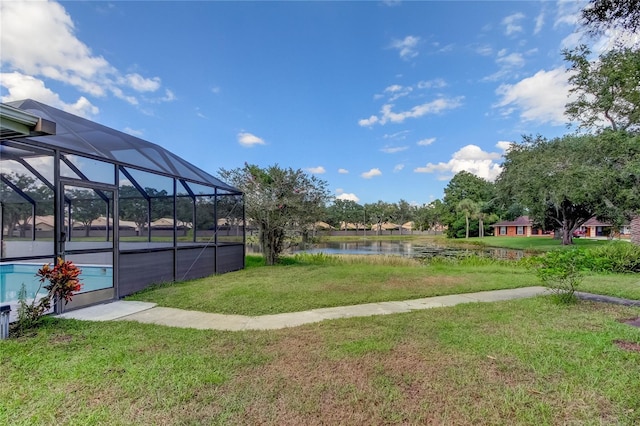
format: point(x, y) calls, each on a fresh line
point(399, 248)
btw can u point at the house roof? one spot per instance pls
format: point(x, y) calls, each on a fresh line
point(595, 222)
point(81, 136)
point(520, 221)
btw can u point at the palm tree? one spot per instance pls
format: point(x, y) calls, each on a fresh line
point(481, 215)
point(470, 209)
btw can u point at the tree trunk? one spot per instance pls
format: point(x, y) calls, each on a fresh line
point(567, 237)
point(271, 241)
point(467, 220)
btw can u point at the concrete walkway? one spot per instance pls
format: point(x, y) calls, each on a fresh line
point(150, 313)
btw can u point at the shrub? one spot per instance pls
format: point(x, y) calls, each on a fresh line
point(312, 259)
point(29, 314)
point(561, 271)
point(619, 257)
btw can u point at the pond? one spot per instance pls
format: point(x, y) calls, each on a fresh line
point(400, 248)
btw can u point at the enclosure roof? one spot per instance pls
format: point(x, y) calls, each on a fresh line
point(81, 136)
point(17, 123)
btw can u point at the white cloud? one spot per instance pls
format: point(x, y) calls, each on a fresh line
point(541, 97)
point(343, 171)
point(20, 86)
point(397, 91)
point(406, 47)
point(134, 132)
point(393, 88)
point(118, 93)
point(215, 90)
point(426, 142)
point(470, 158)
point(433, 107)
point(615, 38)
point(168, 96)
point(512, 23)
point(348, 197)
point(510, 60)
point(47, 48)
point(484, 50)
point(401, 135)
point(508, 63)
point(316, 170)
point(200, 114)
point(539, 23)
point(437, 83)
point(572, 40)
point(398, 167)
point(568, 13)
point(249, 139)
point(371, 173)
point(504, 145)
point(141, 84)
point(393, 149)
point(366, 122)
point(443, 49)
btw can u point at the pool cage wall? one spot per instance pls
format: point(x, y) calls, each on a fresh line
point(108, 200)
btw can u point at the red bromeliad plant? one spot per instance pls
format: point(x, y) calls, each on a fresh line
point(63, 280)
point(63, 283)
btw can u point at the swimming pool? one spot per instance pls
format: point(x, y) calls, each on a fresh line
point(13, 275)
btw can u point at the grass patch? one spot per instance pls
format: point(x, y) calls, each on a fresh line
point(534, 244)
point(310, 281)
point(319, 281)
point(516, 362)
point(626, 286)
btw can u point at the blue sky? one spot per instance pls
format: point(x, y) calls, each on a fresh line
point(383, 100)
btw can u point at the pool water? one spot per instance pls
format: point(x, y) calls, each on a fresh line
point(13, 275)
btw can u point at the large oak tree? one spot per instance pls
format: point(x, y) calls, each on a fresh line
point(566, 181)
point(279, 201)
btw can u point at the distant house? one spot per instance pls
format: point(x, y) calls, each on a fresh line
point(593, 228)
point(521, 227)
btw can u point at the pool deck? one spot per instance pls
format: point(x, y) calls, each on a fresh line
point(150, 313)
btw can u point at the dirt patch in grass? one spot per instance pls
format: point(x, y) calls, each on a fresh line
point(409, 384)
point(634, 322)
point(61, 338)
point(627, 346)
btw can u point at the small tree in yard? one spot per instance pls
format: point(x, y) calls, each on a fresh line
point(281, 202)
point(561, 271)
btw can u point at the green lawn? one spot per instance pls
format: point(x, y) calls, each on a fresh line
point(538, 244)
point(517, 362)
point(298, 287)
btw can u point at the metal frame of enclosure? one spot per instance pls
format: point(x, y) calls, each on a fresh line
point(127, 211)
